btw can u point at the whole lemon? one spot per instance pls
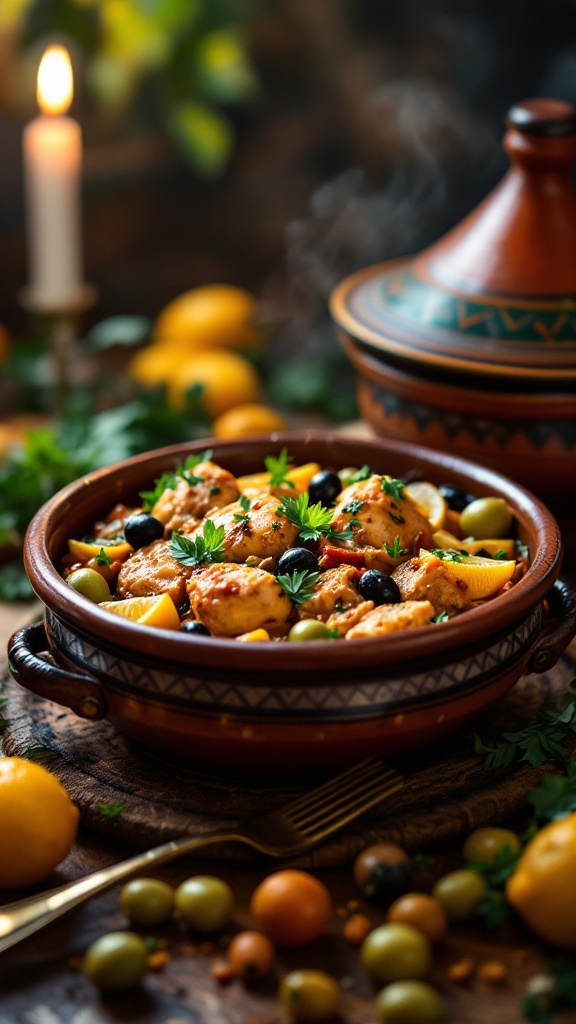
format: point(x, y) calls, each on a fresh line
point(246, 420)
point(39, 822)
point(227, 379)
point(543, 887)
point(210, 316)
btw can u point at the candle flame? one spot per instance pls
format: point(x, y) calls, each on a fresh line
point(55, 83)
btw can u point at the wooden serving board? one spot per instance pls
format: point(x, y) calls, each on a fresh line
point(447, 793)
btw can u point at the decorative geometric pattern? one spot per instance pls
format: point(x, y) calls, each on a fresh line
point(374, 692)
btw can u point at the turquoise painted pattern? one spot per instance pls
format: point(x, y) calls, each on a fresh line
point(418, 302)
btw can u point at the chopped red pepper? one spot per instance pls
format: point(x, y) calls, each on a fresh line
point(332, 556)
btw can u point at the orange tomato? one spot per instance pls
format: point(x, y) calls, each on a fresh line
point(291, 907)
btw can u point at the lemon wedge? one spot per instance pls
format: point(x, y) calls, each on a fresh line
point(158, 610)
point(83, 551)
point(300, 476)
point(493, 546)
point(482, 576)
point(429, 502)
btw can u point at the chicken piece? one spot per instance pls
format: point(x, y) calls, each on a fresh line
point(392, 618)
point(343, 621)
point(429, 579)
point(234, 599)
point(385, 516)
point(258, 530)
point(335, 591)
point(153, 570)
point(208, 487)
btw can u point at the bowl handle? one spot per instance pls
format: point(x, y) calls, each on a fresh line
point(81, 693)
point(558, 630)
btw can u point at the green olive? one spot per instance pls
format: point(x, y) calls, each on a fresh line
point(90, 584)
point(460, 892)
point(116, 961)
point(485, 844)
point(347, 475)
point(147, 902)
point(392, 952)
point(310, 996)
point(486, 517)
point(309, 629)
point(410, 1002)
point(204, 902)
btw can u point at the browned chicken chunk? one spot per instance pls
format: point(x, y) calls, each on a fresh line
point(255, 530)
point(343, 621)
point(208, 487)
point(152, 570)
point(429, 579)
point(234, 599)
point(392, 618)
point(335, 591)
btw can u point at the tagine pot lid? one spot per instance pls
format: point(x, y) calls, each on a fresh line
point(496, 295)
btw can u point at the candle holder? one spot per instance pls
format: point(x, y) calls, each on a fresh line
point(60, 326)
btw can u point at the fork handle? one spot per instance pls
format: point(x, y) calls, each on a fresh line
point(24, 917)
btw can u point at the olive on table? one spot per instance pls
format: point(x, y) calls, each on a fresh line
point(297, 559)
point(195, 627)
point(484, 844)
point(486, 517)
point(147, 902)
point(90, 584)
point(310, 996)
point(116, 961)
point(324, 487)
point(460, 892)
point(421, 911)
point(410, 1002)
point(378, 587)
point(455, 497)
point(204, 902)
point(309, 629)
point(251, 955)
point(393, 952)
point(142, 529)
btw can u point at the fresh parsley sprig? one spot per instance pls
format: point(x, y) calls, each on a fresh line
point(299, 584)
point(204, 549)
point(393, 488)
point(169, 481)
point(555, 797)
point(395, 550)
point(539, 741)
point(313, 521)
point(278, 468)
point(450, 555)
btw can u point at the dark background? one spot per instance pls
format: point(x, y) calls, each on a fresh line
point(378, 126)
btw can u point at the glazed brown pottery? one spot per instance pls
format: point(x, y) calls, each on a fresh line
point(286, 707)
point(471, 345)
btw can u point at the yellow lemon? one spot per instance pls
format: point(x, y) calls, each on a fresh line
point(300, 476)
point(244, 420)
point(83, 551)
point(227, 379)
point(493, 546)
point(158, 610)
point(543, 887)
point(208, 317)
point(429, 501)
point(254, 636)
point(39, 823)
point(155, 365)
point(482, 576)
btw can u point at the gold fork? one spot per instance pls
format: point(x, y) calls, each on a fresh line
point(283, 833)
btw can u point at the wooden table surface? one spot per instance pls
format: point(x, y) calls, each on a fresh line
point(40, 980)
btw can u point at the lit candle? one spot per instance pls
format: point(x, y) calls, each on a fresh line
point(52, 164)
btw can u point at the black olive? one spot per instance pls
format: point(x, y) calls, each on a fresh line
point(378, 587)
point(456, 497)
point(142, 529)
point(386, 882)
point(324, 487)
point(297, 559)
point(193, 626)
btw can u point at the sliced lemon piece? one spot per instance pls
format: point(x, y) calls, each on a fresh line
point(445, 539)
point(495, 546)
point(83, 551)
point(300, 476)
point(254, 636)
point(482, 576)
point(158, 610)
point(429, 502)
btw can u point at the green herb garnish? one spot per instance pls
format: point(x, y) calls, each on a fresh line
point(278, 468)
point(205, 549)
point(352, 507)
point(536, 743)
point(395, 550)
point(555, 797)
point(167, 482)
point(299, 585)
point(111, 811)
point(494, 909)
point(393, 488)
point(102, 558)
point(441, 617)
point(313, 521)
point(450, 555)
point(246, 504)
point(364, 473)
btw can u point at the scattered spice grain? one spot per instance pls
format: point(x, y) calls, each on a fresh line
point(461, 971)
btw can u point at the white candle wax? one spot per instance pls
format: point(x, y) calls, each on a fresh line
point(52, 167)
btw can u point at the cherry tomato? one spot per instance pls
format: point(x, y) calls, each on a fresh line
point(422, 912)
point(291, 907)
point(251, 955)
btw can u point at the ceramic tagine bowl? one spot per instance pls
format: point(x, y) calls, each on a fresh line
point(470, 346)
